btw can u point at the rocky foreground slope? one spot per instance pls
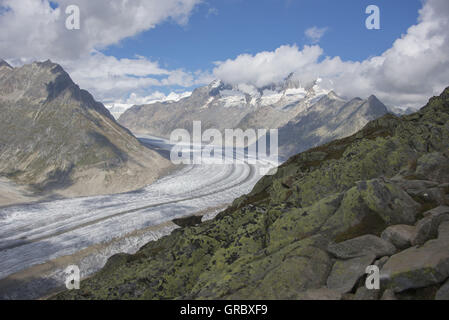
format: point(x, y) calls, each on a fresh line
point(55, 138)
point(309, 232)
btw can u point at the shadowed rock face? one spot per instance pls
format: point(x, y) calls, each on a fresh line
point(278, 242)
point(3, 63)
point(330, 118)
point(56, 137)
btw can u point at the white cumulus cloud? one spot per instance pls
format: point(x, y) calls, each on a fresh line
point(315, 34)
point(36, 29)
point(268, 66)
point(112, 79)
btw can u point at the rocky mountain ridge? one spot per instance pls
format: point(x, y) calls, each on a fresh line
point(55, 138)
point(3, 63)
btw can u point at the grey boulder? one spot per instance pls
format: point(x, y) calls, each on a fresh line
point(427, 228)
point(401, 236)
point(346, 273)
point(360, 246)
point(419, 267)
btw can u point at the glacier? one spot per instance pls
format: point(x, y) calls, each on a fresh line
point(86, 231)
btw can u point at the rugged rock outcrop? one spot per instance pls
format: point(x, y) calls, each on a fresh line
point(54, 137)
point(310, 231)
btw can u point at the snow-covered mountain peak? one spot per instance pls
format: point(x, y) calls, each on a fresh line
point(215, 84)
point(334, 96)
point(286, 93)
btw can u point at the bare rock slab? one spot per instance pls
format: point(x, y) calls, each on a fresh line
point(368, 244)
point(419, 267)
point(346, 273)
point(401, 236)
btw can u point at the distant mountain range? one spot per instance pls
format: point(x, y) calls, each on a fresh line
point(54, 137)
point(118, 108)
point(222, 106)
point(306, 116)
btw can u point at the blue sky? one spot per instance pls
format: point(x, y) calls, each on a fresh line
point(223, 29)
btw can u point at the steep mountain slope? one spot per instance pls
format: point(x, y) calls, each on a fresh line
point(310, 231)
point(56, 137)
point(330, 118)
point(3, 63)
point(4, 68)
